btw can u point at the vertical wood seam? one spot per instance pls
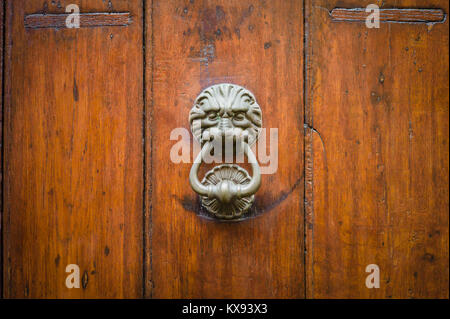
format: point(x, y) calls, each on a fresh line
point(144, 144)
point(148, 70)
point(308, 157)
point(2, 65)
point(151, 150)
point(304, 147)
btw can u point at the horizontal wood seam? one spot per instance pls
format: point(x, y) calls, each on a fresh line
point(102, 19)
point(390, 15)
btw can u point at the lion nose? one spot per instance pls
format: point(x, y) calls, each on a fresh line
point(225, 123)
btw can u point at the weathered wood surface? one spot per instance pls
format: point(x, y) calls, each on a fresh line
point(369, 169)
point(73, 173)
point(377, 111)
point(258, 45)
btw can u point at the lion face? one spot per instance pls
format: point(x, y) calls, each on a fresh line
point(226, 110)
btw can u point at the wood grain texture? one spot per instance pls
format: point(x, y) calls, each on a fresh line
point(257, 45)
point(87, 20)
point(73, 155)
point(378, 154)
point(390, 15)
point(373, 152)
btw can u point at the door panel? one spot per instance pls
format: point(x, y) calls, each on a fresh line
point(73, 153)
point(377, 155)
point(257, 45)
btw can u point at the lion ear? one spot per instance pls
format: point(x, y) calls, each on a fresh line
point(196, 113)
point(254, 115)
point(255, 109)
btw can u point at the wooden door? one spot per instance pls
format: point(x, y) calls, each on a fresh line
point(362, 172)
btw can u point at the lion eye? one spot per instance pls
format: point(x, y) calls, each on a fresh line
point(239, 116)
point(212, 115)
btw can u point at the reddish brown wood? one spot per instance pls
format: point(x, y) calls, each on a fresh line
point(390, 15)
point(73, 157)
point(257, 45)
point(378, 157)
point(102, 19)
point(363, 168)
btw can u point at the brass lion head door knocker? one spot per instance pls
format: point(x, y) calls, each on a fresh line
point(226, 117)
